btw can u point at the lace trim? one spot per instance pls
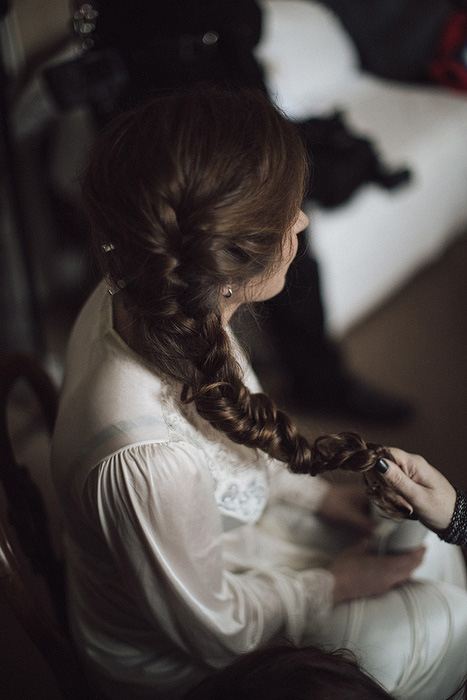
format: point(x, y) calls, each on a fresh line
point(239, 473)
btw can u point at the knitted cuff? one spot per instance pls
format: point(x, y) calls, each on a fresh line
point(456, 533)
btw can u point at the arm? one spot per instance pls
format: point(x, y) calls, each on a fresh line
point(155, 506)
point(297, 489)
point(357, 572)
point(346, 504)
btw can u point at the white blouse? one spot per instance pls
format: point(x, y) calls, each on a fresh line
point(170, 570)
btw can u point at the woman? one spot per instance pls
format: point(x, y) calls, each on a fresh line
point(188, 541)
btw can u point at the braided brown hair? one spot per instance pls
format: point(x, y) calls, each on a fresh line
point(185, 195)
point(349, 452)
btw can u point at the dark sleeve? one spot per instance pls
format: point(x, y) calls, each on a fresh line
point(456, 533)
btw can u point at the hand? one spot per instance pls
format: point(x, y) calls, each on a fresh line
point(347, 504)
point(423, 488)
point(359, 573)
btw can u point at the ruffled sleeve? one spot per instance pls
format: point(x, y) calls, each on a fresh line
point(155, 508)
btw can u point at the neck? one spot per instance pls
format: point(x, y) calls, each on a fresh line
point(227, 308)
point(227, 316)
point(122, 322)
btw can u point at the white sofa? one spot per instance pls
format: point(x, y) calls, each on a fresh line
point(370, 246)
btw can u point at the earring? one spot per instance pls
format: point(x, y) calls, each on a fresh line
point(228, 293)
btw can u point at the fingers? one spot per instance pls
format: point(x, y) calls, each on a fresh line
point(349, 505)
point(364, 522)
point(403, 459)
point(359, 572)
point(391, 474)
point(361, 547)
point(359, 515)
point(423, 487)
point(400, 567)
point(408, 561)
point(396, 478)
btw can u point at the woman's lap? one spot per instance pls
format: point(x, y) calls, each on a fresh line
point(413, 639)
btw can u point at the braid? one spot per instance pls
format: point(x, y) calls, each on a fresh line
point(189, 205)
point(349, 452)
point(247, 418)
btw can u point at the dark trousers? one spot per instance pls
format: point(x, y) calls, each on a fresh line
point(295, 322)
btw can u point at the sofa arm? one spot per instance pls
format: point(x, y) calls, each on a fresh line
point(307, 54)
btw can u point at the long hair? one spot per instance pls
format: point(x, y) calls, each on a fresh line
point(185, 195)
point(286, 672)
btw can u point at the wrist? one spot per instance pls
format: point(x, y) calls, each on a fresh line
point(456, 531)
point(340, 589)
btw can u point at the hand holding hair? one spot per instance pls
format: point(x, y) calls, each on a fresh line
point(400, 483)
point(430, 494)
point(349, 452)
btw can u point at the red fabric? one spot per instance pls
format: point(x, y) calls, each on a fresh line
point(447, 69)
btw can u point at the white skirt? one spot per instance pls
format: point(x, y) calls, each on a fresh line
point(413, 639)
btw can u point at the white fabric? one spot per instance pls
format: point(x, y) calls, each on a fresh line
point(371, 246)
point(304, 45)
point(185, 549)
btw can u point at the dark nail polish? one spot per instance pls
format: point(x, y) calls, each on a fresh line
point(382, 466)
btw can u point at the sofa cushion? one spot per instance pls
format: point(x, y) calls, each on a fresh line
point(306, 52)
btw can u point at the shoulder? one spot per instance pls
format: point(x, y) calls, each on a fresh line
point(157, 475)
point(158, 461)
point(147, 498)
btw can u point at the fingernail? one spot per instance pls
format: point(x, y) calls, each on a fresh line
point(382, 466)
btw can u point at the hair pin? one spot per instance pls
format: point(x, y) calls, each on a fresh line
point(117, 287)
point(107, 247)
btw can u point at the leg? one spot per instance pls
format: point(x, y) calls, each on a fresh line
point(319, 379)
point(412, 639)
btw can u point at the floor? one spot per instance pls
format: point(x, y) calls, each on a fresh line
point(415, 346)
